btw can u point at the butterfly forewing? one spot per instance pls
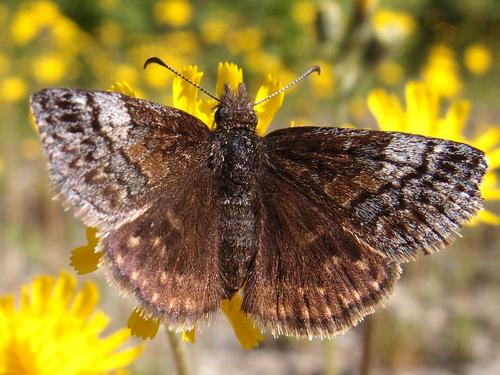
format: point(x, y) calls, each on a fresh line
point(400, 194)
point(108, 153)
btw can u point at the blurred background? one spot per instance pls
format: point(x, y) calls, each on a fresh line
point(444, 316)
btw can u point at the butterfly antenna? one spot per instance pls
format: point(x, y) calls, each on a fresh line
point(312, 69)
point(157, 60)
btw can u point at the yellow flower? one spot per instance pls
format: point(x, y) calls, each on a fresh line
point(176, 13)
point(303, 13)
point(392, 26)
point(422, 117)
point(86, 259)
point(477, 59)
point(12, 89)
point(440, 72)
point(56, 331)
point(24, 27)
point(214, 30)
point(49, 69)
point(244, 40)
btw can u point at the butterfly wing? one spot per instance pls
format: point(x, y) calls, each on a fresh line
point(109, 152)
point(403, 194)
point(339, 209)
point(310, 277)
point(137, 171)
point(168, 257)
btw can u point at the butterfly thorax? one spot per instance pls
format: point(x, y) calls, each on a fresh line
point(234, 159)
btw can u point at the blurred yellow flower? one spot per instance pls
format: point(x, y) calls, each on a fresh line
point(69, 37)
point(422, 117)
point(214, 30)
point(24, 27)
point(477, 59)
point(176, 13)
point(390, 72)
point(185, 42)
point(47, 12)
point(31, 18)
point(391, 26)
point(304, 13)
point(56, 331)
point(12, 89)
point(261, 61)
point(441, 73)
point(323, 84)
point(110, 33)
point(244, 40)
point(48, 69)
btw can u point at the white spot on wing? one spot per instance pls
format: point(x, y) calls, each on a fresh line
point(113, 116)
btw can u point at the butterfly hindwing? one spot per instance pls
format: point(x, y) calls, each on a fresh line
point(401, 194)
point(108, 152)
point(310, 277)
point(168, 257)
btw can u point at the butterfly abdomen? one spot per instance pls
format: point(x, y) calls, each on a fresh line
point(238, 164)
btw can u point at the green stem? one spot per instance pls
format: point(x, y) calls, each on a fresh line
point(178, 353)
point(367, 354)
point(330, 365)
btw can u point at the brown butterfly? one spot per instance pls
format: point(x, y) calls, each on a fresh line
point(310, 223)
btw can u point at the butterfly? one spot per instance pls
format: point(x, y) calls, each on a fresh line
point(311, 224)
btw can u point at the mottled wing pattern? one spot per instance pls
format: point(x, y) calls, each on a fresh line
point(310, 277)
point(401, 194)
point(340, 208)
point(107, 152)
point(137, 170)
point(168, 257)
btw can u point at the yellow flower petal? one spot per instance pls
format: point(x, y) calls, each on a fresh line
point(86, 259)
point(387, 110)
point(454, 122)
point(47, 335)
point(267, 110)
point(244, 328)
point(488, 139)
point(189, 336)
point(422, 109)
point(142, 326)
point(494, 159)
point(184, 94)
point(486, 217)
point(228, 73)
point(123, 88)
point(441, 72)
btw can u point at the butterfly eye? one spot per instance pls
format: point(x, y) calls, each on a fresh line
point(217, 116)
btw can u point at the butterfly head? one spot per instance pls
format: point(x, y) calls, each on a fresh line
point(235, 109)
